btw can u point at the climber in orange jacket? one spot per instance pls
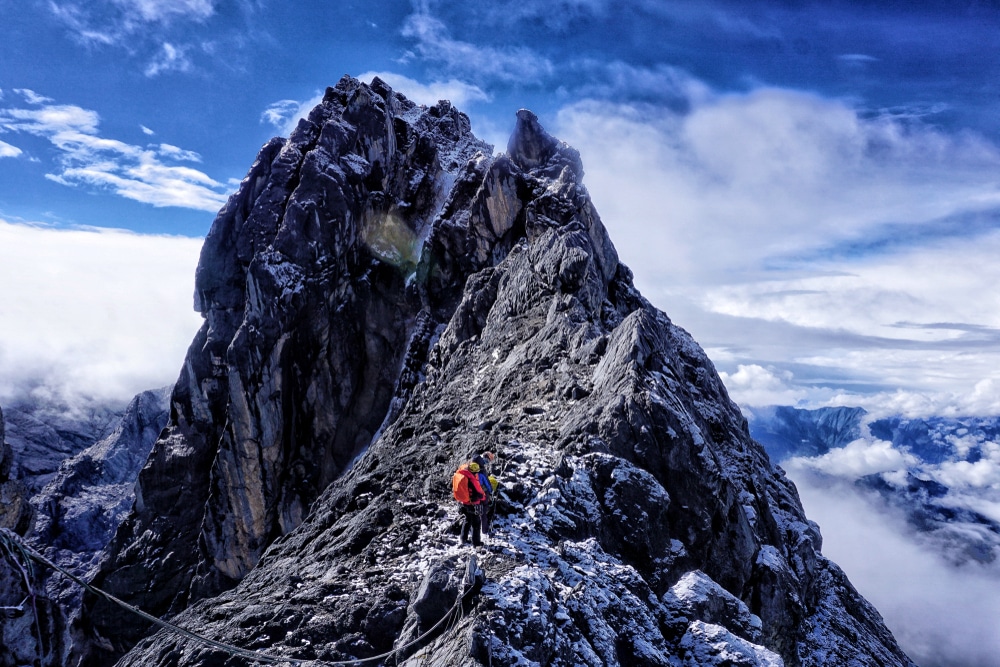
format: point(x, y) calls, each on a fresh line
point(468, 491)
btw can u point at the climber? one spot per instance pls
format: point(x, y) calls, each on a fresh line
point(489, 482)
point(467, 490)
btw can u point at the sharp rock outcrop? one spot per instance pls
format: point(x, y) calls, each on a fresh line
point(383, 296)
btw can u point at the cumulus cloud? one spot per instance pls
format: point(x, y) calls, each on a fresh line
point(865, 456)
point(941, 614)
point(96, 314)
point(742, 180)
point(751, 384)
point(144, 174)
point(783, 213)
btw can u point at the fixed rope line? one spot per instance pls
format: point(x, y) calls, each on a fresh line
point(9, 537)
point(27, 574)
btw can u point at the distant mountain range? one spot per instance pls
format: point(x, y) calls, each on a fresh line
point(942, 473)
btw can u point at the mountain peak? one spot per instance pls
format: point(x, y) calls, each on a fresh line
point(384, 297)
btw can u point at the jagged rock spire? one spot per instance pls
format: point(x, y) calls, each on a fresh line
point(383, 296)
point(530, 146)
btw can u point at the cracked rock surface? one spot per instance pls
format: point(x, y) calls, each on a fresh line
point(384, 296)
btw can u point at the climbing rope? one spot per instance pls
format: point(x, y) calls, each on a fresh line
point(13, 542)
point(23, 565)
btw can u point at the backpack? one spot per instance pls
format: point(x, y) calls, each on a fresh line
point(461, 489)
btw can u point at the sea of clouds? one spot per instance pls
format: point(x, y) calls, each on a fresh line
point(92, 315)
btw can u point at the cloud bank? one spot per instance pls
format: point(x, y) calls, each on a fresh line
point(944, 616)
point(93, 315)
point(844, 256)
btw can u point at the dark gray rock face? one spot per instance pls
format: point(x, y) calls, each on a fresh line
point(15, 512)
point(44, 435)
point(70, 521)
point(384, 296)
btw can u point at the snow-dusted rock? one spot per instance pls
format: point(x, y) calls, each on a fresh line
point(384, 296)
point(82, 506)
point(708, 645)
point(699, 599)
point(43, 435)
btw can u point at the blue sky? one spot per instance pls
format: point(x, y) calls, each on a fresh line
point(810, 188)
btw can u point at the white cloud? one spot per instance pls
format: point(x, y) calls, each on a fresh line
point(7, 150)
point(980, 476)
point(31, 97)
point(941, 614)
point(434, 43)
point(175, 153)
point(857, 58)
point(458, 92)
point(755, 385)
point(97, 314)
point(801, 226)
point(286, 114)
point(171, 58)
point(130, 171)
point(108, 21)
point(865, 456)
point(740, 180)
point(166, 10)
point(281, 112)
point(146, 130)
point(617, 80)
point(936, 292)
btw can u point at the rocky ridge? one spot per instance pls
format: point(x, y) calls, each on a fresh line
point(42, 435)
point(70, 520)
point(383, 296)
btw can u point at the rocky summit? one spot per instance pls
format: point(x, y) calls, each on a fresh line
point(384, 297)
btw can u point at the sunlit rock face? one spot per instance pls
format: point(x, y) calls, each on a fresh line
point(384, 296)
